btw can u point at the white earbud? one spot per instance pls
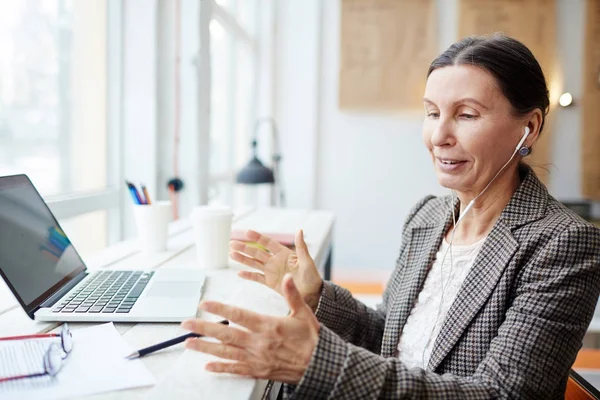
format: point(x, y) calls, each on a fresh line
point(523, 150)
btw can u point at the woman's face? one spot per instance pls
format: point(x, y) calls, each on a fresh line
point(470, 129)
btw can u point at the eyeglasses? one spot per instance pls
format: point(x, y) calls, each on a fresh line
point(53, 358)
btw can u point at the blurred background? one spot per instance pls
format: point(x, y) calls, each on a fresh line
point(94, 92)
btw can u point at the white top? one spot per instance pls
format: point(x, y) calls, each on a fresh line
point(429, 312)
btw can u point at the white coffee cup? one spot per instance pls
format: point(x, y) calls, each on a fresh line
point(212, 230)
point(152, 222)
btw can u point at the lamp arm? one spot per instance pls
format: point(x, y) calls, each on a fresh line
point(274, 133)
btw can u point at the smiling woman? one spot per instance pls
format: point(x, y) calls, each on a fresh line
point(477, 109)
point(494, 285)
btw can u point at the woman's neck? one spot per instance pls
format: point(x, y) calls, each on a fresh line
point(482, 216)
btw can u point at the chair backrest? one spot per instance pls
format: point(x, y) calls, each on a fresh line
point(580, 389)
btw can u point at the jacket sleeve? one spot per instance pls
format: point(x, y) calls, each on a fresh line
point(530, 357)
point(350, 319)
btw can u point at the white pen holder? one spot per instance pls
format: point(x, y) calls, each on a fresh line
point(152, 223)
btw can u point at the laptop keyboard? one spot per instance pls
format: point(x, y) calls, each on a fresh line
point(106, 292)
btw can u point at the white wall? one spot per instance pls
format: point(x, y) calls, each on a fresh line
point(565, 175)
point(371, 168)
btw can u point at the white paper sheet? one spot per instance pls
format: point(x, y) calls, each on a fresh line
point(96, 364)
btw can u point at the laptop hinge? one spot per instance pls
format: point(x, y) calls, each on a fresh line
point(50, 301)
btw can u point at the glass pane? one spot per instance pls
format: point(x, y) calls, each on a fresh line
point(245, 102)
point(246, 15)
point(87, 232)
point(222, 96)
point(220, 193)
point(245, 120)
point(228, 5)
point(244, 113)
point(53, 93)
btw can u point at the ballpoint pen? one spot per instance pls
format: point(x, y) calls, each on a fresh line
point(165, 344)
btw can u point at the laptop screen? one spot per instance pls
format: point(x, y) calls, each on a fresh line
point(36, 258)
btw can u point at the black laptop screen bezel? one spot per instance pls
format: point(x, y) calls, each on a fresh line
point(32, 307)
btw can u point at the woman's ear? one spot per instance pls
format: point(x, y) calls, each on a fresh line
point(534, 122)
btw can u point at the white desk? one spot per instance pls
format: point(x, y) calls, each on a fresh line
point(180, 373)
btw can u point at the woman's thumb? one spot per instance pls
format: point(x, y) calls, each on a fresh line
point(301, 247)
point(292, 295)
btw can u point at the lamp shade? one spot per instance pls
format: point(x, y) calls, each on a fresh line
point(254, 173)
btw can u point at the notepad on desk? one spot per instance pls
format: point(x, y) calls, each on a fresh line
point(286, 239)
point(96, 364)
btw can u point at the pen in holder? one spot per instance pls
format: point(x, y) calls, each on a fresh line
point(152, 223)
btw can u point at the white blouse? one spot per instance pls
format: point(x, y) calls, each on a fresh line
point(429, 312)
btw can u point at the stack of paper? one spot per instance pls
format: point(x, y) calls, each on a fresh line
point(96, 364)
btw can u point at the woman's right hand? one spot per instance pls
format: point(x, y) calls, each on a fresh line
point(277, 261)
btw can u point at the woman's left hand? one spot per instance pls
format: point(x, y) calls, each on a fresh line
point(275, 348)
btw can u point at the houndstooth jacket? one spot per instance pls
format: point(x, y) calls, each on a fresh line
point(512, 332)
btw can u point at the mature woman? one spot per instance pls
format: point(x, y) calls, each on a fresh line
point(494, 286)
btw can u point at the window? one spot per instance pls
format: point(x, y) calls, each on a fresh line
point(219, 95)
point(222, 100)
point(234, 62)
point(53, 106)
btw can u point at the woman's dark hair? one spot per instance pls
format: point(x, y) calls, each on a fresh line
point(517, 72)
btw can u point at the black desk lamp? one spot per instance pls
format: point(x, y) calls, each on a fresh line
point(255, 172)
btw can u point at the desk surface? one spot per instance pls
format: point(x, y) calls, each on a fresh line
point(180, 373)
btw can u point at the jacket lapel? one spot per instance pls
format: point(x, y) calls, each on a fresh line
point(424, 243)
point(490, 263)
point(527, 204)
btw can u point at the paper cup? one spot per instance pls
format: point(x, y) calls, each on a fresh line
point(212, 229)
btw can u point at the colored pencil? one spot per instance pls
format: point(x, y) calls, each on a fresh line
point(146, 195)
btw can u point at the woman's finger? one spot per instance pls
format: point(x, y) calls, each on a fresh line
point(231, 368)
point(272, 245)
point(245, 318)
point(226, 334)
point(292, 295)
point(301, 247)
point(250, 250)
point(253, 276)
point(217, 349)
point(248, 261)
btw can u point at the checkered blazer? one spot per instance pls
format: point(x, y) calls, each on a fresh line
point(513, 331)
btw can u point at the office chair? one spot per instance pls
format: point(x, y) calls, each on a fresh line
point(580, 389)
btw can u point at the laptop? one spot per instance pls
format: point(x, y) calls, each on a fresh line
point(45, 273)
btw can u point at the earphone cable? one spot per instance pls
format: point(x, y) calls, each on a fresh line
point(442, 278)
point(455, 224)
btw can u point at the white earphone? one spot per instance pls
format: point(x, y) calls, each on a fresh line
point(522, 150)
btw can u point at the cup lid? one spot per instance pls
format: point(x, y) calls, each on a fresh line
point(210, 211)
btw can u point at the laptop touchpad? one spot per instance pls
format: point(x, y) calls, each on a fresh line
point(172, 289)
